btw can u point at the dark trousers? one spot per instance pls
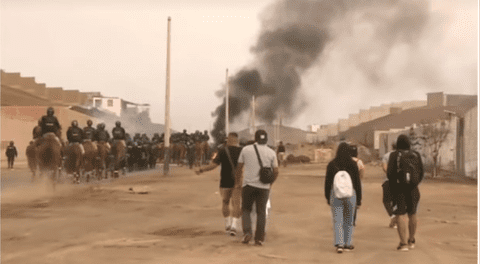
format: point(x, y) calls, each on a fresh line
point(260, 197)
point(10, 161)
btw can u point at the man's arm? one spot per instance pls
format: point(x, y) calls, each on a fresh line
point(209, 167)
point(238, 175)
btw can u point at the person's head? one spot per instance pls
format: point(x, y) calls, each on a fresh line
point(205, 132)
point(50, 111)
point(11, 143)
point(343, 152)
point(281, 142)
point(89, 123)
point(74, 123)
point(261, 137)
point(354, 150)
point(184, 131)
point(232, 139)
point(118, 124)
point(403, 142)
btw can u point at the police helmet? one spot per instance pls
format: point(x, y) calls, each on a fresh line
point(50, 111)
point(99, 126)
point(74, 123)
point(89, 122)
point(206, 132)
point(184, 131)
point(118, 124)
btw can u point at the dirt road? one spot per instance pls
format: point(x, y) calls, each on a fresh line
point(179, 221)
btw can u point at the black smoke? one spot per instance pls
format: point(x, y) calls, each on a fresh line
point(294, 37)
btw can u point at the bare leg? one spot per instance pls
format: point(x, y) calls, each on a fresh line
point(402, 228)
point(412, 226)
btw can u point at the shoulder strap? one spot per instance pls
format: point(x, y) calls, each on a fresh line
point(258, 156)
point(229, 158)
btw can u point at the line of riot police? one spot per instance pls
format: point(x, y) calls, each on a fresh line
point(92, 152)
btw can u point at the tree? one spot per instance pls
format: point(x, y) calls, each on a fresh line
point(434, 134)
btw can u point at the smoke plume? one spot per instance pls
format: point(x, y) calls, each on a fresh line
point(294, 37)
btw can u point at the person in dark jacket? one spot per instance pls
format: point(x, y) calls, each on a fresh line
point(406, 197)
point(343, 209)
point(37, 130)
point(11, 154)
point(50, 123)
point(75, 135)
point(89, 131)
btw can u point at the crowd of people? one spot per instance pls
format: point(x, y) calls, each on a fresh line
point(242, 188)
point(141, 151)
point(245, 186)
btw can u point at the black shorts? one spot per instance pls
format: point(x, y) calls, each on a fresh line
point(407, 200)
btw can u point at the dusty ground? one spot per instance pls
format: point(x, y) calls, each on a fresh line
point(179, 221)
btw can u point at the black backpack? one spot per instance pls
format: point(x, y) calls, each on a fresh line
point(409, 168)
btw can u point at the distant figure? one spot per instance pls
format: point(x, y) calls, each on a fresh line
point(388, 201)
point(37, 130)
point(11, 154)
point(89, 131)
point(405, 172)
point(50, 124)
point(228, 159)
point(75, 135)
point(361, 166)
point(343, 191)
point(281, 154)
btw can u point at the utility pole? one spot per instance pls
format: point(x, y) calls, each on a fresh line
point(253, 116)
point(227, 107)
point(166, 165)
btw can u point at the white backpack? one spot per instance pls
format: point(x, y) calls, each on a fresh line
point(342, 185)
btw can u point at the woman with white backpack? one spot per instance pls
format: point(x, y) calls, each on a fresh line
point(343, 192)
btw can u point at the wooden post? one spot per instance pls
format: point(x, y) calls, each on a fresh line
point(166, 166)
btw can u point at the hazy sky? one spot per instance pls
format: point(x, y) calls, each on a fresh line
point(119, 48)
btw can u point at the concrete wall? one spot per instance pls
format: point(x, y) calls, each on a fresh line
point(55, 94)
point(353, 120)
point(332, 129)
point(71, 96)
point(343, 125)
point(457, 99)
point(17, 123)
point(435, 99)
point(471, 143)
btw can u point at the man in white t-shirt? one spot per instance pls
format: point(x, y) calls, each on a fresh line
point(387, 195)
point(254, 191)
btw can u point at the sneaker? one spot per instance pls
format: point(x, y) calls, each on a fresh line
point(411, 244)
point(258, 243)
point(339, 249)
point(232, 232)
point(402, 247)
point(393, 223)
point(246, 238)
point(348, 248)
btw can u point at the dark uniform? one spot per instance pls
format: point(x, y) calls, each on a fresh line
point(50, 123)
point(11, 154)
point(89, 132)
point(101, 135)
point(37, 131)
point(118, 133)
point(75, 135)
